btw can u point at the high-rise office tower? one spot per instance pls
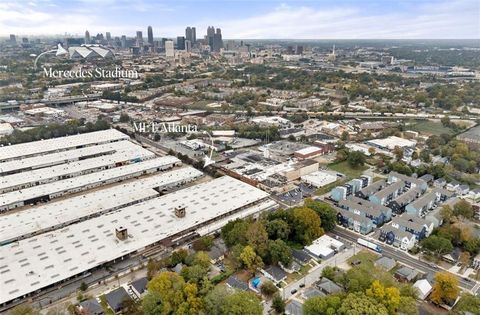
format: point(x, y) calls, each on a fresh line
point(13, 39)
point(181, 43)
point(188, 45)
point(108, 37)
point(217, 40)
point(139, 38)
point(188, 33)
point(194, 35)
point(298, 50)
point(150, 35)
point(169, 49)
point(210, 36)
point(123, 41)
point(87, 37)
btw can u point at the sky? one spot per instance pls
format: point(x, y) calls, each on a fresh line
point(247, 19)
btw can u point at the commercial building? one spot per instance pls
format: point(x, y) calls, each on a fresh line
point(391, 142)
point(58, 214)
point(324, 247)
point(319, 178)
point(46, 192)
point(42, 261)
point(23, 150)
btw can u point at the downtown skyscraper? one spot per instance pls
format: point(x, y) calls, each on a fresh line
point(150, 36)
point(191, 34)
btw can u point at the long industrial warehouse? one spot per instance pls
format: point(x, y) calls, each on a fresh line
point(46, 192)
point(18, 151)
point(43, 260)
point(32, 221)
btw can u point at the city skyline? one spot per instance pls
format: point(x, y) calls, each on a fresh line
point(243, 19)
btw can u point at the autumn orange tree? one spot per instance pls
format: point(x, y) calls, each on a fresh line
point(445, 288)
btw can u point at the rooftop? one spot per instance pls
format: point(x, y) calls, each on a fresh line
point(17, 151)
point(36, 262)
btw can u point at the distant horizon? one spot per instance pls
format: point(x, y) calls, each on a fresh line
point(246, 19)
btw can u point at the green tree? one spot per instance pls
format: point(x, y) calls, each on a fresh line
point(277, 229)
point(327, 214)
point(407, 306)
point(307, 225)
point(360, 304)
point(167, 287)
point(467, 303)
point(257, 237)
point(24, 309)
point(446, 212)
point(463, 208)
point(204, 243)
point(356, 159)
point(268, 288)
point(241, 303)
point(327, 305)
point(250, 259)
point(437, 245)
point(445, 289)
point(278, 304)
point(214, 300)
point(279, 251)
point(234, 232)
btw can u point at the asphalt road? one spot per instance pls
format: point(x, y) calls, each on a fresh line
point(402, 257)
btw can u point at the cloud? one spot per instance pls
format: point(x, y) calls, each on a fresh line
point(439, 19)
point(314, 20)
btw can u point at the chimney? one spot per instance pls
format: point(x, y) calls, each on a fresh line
point(180, 211)
point(121, 233)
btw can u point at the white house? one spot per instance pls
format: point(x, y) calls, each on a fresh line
point(424, 288)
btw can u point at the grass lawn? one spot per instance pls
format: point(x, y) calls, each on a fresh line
point(327, 188)
point(294, 276)
point(365, 257)
point(431, 127)
point(345, 168)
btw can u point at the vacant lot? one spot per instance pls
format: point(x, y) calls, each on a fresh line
point(346, 169)
point(431, 128)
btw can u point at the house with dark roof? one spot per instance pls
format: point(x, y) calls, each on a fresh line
point(294, 307)
point(440, 183)
point(462, 190)
point(386, 263)
point(371, 189)
point(116, 298)
point(274, 273)
point(427, 178)
point(301, 257)
point(139, 286)
point(90, 307)
point(327, 286)
point(398, 204)
point(388, 193)
point(312, 292)
point(406, 274)
point(235, 283)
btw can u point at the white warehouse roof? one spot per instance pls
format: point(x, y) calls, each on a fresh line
point(58, 144)
point(37, 262)
point(79, 183)
point(24, 223)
